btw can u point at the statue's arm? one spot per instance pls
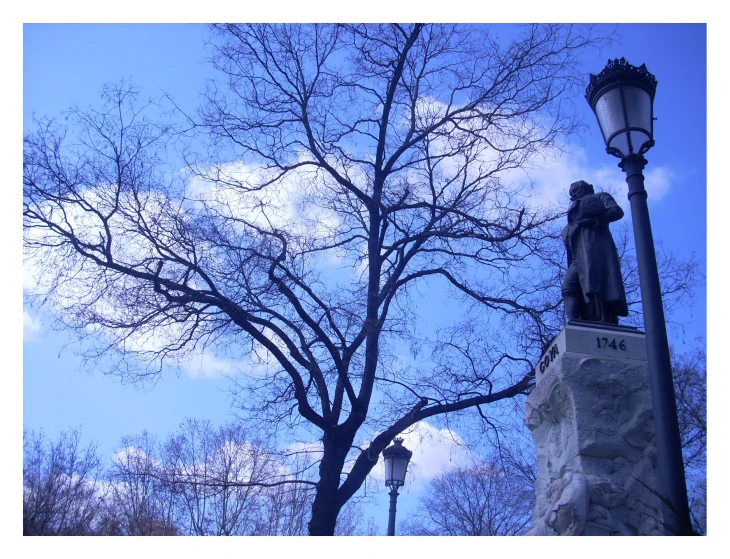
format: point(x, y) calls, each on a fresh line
point(566, 242)
point(613, 210)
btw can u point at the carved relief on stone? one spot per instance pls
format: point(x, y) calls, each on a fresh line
point(610, 400)
point(570, 498)
point(591, 421)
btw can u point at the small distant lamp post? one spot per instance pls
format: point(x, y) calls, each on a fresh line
point(622, 97)
point(396, 458)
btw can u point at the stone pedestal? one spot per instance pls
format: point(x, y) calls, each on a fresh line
point(591, 419)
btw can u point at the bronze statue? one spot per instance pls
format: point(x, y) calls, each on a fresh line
point(593, 288)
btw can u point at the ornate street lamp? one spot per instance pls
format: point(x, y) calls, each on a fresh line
point(396, 458)
point(622, 97)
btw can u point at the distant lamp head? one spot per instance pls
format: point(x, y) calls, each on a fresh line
point(396, 458)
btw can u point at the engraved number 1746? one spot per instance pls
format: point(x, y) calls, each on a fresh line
point(603, 342)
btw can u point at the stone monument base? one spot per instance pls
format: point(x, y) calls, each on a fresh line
point(591, 419)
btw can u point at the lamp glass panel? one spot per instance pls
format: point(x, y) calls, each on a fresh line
point(609, 112)
point(639, 115)
point(638, 139)
point(399, 469)
point(638, 108)
point(388, 469)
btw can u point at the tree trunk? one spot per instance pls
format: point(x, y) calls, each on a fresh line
point(326, 507)
point(324, 514)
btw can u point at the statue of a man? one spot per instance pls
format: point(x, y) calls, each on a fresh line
point(593, 288)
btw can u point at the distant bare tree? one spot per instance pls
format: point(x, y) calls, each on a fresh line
point(229, 484)
point(62, 495)
point(140, 505)
point(679, 278)
point(287, 511)
point(352, 521)
point(697, 493)
point(219, 476)
point(482, 499)
point(287, 506)
point(690, 388)
point(203, 480)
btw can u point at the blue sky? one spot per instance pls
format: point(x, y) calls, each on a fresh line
point(66, 64)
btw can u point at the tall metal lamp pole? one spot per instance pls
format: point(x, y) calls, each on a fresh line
point(622, 97)
point(396, 458)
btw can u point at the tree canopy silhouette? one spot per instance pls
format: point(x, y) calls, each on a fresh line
point(334, 173)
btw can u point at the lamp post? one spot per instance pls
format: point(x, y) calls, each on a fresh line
point(396, 458)
point(622, 98)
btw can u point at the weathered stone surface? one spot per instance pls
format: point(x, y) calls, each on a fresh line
point(591, 419)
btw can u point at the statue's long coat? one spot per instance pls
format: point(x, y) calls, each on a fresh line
point(595, 253)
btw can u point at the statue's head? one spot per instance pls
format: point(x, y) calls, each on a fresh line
point(579, 189)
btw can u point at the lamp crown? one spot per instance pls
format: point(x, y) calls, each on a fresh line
point(619, 69)
point(397, 450)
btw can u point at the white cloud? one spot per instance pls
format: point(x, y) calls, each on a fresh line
point(205, 364)
point(31, 327)
point(234, 190)
point(433, 451)
point(658, 181)
point(551, 173)
point(127, 454)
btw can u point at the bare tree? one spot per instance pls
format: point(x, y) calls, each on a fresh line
point(697, 493)
point(287, 511)
point(352, 522)
point(61, 492)
point(679, 278)
point(288, 506)
point(201, 481)
point(220, 477)
point(482, 499)
point(342, 168)
point(140, 505)
point(690, 388)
